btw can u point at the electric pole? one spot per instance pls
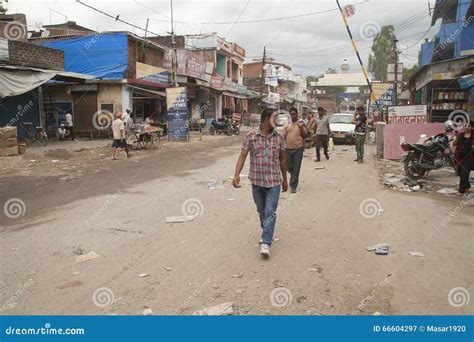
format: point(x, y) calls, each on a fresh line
point(262, 80)
point(175, 57)
point(396, 74)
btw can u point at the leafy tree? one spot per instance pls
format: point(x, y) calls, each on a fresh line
point(3, 10)
point(383, 52)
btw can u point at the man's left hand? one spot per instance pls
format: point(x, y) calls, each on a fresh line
point(284, 185)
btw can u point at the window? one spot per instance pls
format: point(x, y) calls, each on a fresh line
point(107, 107)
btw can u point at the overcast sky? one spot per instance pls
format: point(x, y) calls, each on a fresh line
point(310, 44)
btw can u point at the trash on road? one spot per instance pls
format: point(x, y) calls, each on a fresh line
point(382, 250)
point(86, 257)
point(147, 312)
point(418, 254)
point(230, 199)
point(178, 219)
point(69, 284)
point(55, 160)
point(143, 275)
point(168, 269)
point(446, 191)
point(374, 247)
point(415, 188)
point(319, 168)
point(223, 309)
point(238, 275)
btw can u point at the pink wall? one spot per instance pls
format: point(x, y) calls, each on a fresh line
point(393, 132)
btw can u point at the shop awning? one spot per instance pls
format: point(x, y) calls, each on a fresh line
point(466, 81)
point(17, 80)
point(148, 91)
point(237, 96)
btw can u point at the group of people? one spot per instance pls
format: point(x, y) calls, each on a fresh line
point(273, 154)
point(66, 131)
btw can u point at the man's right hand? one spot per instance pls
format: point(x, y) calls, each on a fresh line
point(236, 182)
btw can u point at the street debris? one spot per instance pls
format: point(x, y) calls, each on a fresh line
point(446, 191)
point(382, 250)
point(316, 268)
point(178, 219)
point(147, 312)
point(75, 273)
point(86, 257)
point(168, 269)
point(143, 275)
point(69, 284)
point(301, 299)
point(238, 275)
point(223, 309)
point(319, 168)
point(376, 313)
point(230, 199)
point(374, 247)
point(418, 254)
point(215, 185)
point(55, 160)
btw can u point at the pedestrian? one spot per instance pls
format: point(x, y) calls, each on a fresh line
point(119, 141)
point(294, 133)
point(62, 132)
point(323, 132)
point(267, 173)
point(464, 156)
point(70, 125)
point(360, 122)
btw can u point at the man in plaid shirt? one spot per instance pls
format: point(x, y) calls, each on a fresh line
point(267, 173)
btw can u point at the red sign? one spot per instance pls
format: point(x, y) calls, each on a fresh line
point(189, 63)
point(237, 117)
point(348, 11)
point(217, 82)
point(238, 50)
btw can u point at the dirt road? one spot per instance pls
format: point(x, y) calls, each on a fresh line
point(319, 265)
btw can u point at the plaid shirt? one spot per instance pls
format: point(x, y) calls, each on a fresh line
point(264, 157)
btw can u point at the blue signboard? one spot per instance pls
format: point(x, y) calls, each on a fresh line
point(177, 105)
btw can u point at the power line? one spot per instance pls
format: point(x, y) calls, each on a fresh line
point(236, 20)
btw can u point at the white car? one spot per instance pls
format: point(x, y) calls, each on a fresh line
point(342, 127)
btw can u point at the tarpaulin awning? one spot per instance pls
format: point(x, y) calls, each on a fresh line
point(237, 96)
point(17, 80)
point(148, 91)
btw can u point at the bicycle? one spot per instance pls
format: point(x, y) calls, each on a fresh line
point(39, 136)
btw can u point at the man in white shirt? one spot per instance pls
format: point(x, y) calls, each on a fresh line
point(119, 141)
point(69, 125)
point(62, 132)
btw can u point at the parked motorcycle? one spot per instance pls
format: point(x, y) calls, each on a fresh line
point(220, 127)
point(235, 127)
point(435, 153)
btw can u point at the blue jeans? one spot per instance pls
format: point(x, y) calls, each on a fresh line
point(266, 200)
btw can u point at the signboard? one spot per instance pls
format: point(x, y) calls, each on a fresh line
point(4, 55)
point(348, 11)
point(151, 73)
point(391, 72)
point(217, 82)
point(177, 108)
point(383, 93)
point(407, 114)
point(195, 65)
point(271, 81)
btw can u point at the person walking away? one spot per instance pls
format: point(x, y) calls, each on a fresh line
point(464, 156)
point(360, 122)
point(294, 133)
point(62, 132)
point(267, 173)
point(119, 141)
point(323, 131)
point(69, 125)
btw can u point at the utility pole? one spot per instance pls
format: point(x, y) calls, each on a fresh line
point(396, 74)
point(173, 45)
point(262, 80)
point(146, 27)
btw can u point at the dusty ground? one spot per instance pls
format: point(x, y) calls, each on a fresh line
point(85, 202)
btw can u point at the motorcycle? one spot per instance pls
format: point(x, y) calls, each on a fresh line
point(235, 126)
point(220, 127)
point(433, 154)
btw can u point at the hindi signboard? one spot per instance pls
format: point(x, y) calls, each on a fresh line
point(407, 114)
point(177, 108)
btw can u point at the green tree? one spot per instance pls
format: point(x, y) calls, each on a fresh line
point(383, 53)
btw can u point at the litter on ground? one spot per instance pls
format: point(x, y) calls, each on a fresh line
point(223, 309)
point(86, 257)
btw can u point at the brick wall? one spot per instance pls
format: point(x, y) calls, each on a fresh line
point(35, 56)
point(143, 53)
point(253, 70)
point(166, 41)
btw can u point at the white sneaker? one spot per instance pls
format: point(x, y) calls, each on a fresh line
point(265, 250)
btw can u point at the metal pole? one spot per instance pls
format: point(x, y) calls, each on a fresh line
point(396, 74)
point(372, 95)
point(173, 44)
point(146, 27)
point(262, 80)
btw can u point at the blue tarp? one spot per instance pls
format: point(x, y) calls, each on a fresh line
point(102, 55)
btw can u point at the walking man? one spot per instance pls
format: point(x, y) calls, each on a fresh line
point(295, 133)
point(360, 120)
point(69, 125)
point(323, 132)
point(118, 129)
point(267, 173)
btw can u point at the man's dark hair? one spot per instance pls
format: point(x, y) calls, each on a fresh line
point(360, 108)
point(320, 109)
point(293, 109)
point(267, 112)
